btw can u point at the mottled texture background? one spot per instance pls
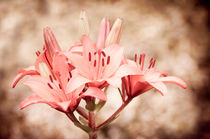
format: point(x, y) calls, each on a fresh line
point(176, 32)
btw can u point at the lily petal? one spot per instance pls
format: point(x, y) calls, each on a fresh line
point(32, 100)
point(64, 105)
point(61, 69)
point(95, 92)
point(81, 66)
point(116, 54)
point(174, 80)
point(39, 85)
point(75, 83)
point(27, 71)
point(161, 87)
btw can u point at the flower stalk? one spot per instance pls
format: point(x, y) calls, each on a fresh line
point(114, 115)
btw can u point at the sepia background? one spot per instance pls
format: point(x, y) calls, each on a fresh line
point(176, 32)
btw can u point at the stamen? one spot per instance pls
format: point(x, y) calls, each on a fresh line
point(37, 54)
point(89, 56)
point(94, 63)
point(68, 79)
point(70, 74)
point(150, 63)
point(142, 61)
point(135, 57)
point(103, 62)
point(60, 86)
point(108, 60)
point(153, 63)
point(103, 53)
point(95, 53)
point(49, 85)
point(70, 66)
point(51, 78)
point(140, 58)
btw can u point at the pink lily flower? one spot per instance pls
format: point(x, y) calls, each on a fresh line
point(97, 67)
point(143, 80)
point(53, 90)
point(43, 60)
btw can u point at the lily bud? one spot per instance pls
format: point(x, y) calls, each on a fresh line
point(84, 25)
point(51, 43)
point(44, 70)
point(115, 33)
point(103, 33)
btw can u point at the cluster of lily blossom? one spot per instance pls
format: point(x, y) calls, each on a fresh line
point(62, 78)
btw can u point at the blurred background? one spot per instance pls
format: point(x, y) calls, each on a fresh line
point(176, 32)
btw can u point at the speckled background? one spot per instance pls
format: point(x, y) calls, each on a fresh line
point(176, 32)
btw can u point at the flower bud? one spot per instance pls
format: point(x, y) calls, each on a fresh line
point(84, 25)
point(115, 33)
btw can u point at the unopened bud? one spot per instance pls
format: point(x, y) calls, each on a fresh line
point(84, 25)
point(115, 33)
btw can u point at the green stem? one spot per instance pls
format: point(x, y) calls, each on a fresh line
point(91, 123)
point(114, 114)
point(77, 123)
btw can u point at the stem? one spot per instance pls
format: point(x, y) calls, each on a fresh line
point(91, 120)
point(91, 123)
point(77, 123)
point(82, 113)
point(93, 135)
point(114, 114)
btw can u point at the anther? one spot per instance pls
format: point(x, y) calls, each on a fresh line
point(150, 63)
point(94, 63)
point(108, 60)
point(70, 74)
point(60, 86)
point(102, 61)
point(103, 53)
point(89, 56)
point(37, 54)
point(153, 63)
point(51, 78)
point(140, 58)
point(135, 57)
point(49, 86)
